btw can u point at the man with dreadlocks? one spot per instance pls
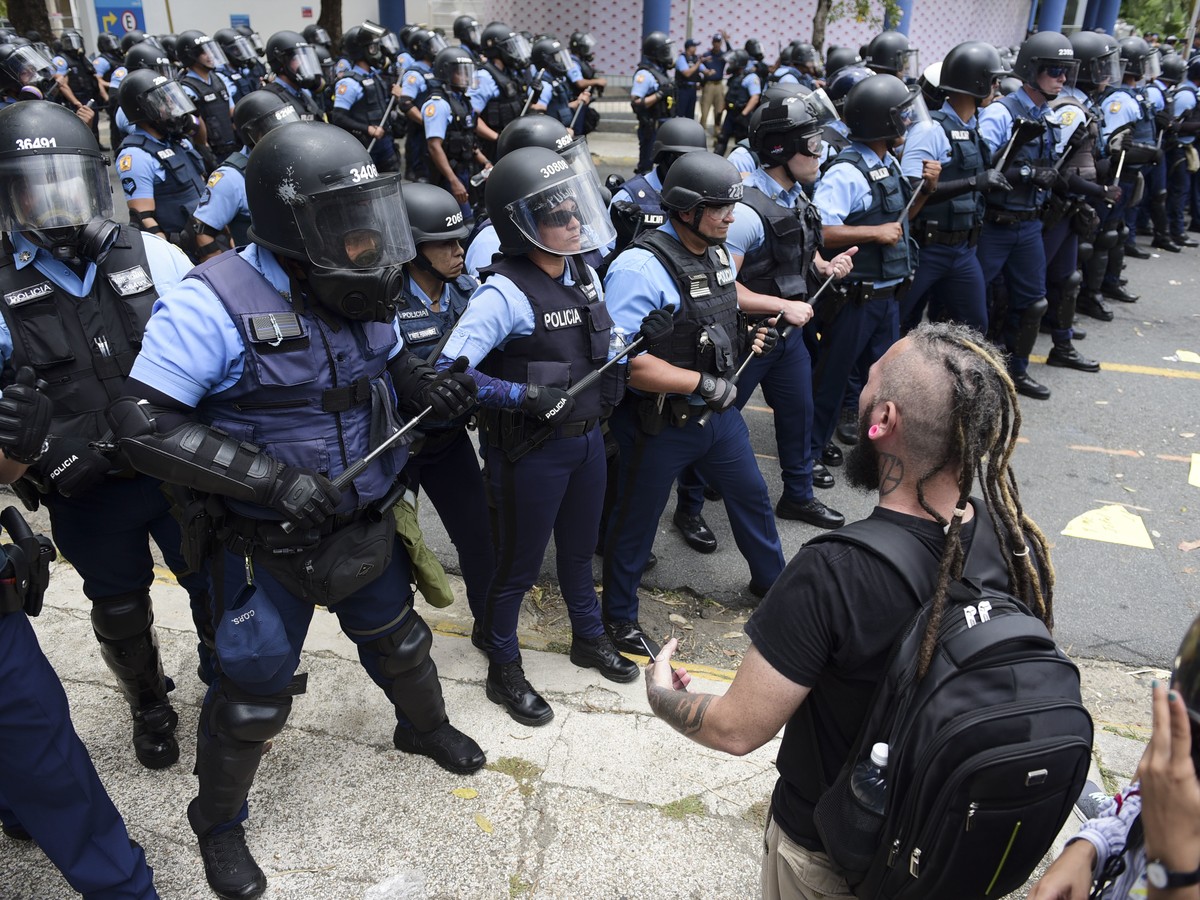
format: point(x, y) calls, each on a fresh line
point(938, 412)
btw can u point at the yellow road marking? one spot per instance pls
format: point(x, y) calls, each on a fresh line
point(1137, 370)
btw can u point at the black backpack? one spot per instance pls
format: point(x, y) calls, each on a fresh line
point(987, 753)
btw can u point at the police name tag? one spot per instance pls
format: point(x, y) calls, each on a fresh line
point(724, 277)
point(424, 334)
point(367, 82)
point(413, 314)
point(165, 154)
point(130, 281)
point(562, 318)
point(960, 135)
point(590, 292)
point(879, 174)
point(29, 294)
point(649, 219)
point(209, 98)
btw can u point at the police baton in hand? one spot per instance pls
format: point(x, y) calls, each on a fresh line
point(578, 109)
point(707, 414)
point(386, 113)
point(533, 90)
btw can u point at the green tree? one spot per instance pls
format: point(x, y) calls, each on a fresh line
point(874, 12)
point(1164, 16)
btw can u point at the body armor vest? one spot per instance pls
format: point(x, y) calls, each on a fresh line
point(307, 392)
point(1040, 152)
point(1143, 129)
point(460, 142)
point(212, 105)
point(84, 347)
point(706, 337)
point(558, 107)
point(665, 107)
point(571, 330)
point(421, 327)
point(240, 226)
point(306, 107)
point(179, 193)
point(648, 200)
point(1082, 161)
point(505, 107)
point(968, 158)
point(791, 236)
point(737, 95)
point(780, 71)
point(890, 193)
point(81, 78)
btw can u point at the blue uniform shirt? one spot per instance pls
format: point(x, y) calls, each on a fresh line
point(436, 116)
point(747, 232)
point(1117, 109)
point(485, 90)
point(644, 83)
point(224, 197)
point(414, 82)
point(574, 71)
point(996, 122)
point(928, 141)
point(743, 160)
point(1182, 103)
point(788, 78)
point(349, 91)
point(59, 65)
point(101, 65)
point(844, 190)
point(484, 246)
point(139, 170)
point(168, 265)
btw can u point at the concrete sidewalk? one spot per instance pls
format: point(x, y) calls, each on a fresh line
point(604, 802)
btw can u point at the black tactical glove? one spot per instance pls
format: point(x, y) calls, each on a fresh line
point(718, 393)
point(1112, 194)
point(626, 216)
point(550, 404)
point(303, 496)
point(991, 180)
point(1043, 176)
point(71, 466)
point(658, 324)
point(450, 392)
point(770, 338)
point(24, 418)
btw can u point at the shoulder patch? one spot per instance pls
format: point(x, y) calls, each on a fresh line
point(640, 79)
point(125, 163)
point(214, 178)
point(412, 79)
point(1115, 106)
point(341, 88)
point(430, 110)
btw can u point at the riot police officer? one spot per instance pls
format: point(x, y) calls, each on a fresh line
point(652, 95)
point(87, 286)
point(536, 326)
point(503, 85)
point(467, 29)
point(161, 173)
point(361, 98)
point(240, 62)
point(838, 58)
point(309, 366)
point(742, 95)
point(72, 63)
point(1135, 102)
point(1185, 125)
point(222, 220)
point(889, 53)
point(683, 266)
point(211, 91)
point(297, 73)
point(449, 120)
point(415, 84)
point(550, 58)
point(582, 45)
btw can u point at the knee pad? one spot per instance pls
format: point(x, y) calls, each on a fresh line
point(1107, 239)
point(406, 648)
point(122, 617)
point(1073, 282)
point(248, 717)
point(1084, 253)
point(1035, 311)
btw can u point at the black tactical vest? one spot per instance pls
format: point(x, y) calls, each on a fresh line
point(737, 94)
point(560, 97)
point(212, 105)
point(369, 108)
point(648, 200)
point(706, 336)
point(571, 330)
point(890, 193)
point(505, 107)
point(791, 236)
point(83, 347)
point(306, 107)
point(81, 78)
point(1040, 152)
point(422, 328)
point(460, 142)
point(665, 107)
point(967, 159)
point(179, 193)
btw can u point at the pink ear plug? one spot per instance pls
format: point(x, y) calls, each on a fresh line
point(873, 431)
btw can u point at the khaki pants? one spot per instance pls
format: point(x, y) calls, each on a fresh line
point(790, 872)
point(712, 96)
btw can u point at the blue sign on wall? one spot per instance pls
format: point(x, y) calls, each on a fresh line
point(119, 16)
point(236, 19)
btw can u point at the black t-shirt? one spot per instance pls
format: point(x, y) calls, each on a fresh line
point(830, 623)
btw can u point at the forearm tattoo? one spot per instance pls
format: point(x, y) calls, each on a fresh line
point(682, 711)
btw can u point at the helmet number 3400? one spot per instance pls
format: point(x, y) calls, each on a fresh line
point(362, 173)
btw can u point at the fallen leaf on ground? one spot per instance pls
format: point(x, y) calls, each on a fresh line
point(465, 793)
point(483, 823)
point(1186, 546)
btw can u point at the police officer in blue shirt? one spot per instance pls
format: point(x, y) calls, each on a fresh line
point(550, 58)
point(889, 53)
point(1185, 125)
point(212, 93)
point(652, 94)
point(785, 73)
point(415, 84)
point(291, 344)
point(222, 220)
point(240, 60)
point(742, 95)
point(683, 266)
point(361, 98)
point(72, 65)
point(1011, 240)
point(297, 73)
point(689, 73)
point(584, 77)
point(79, 290)
point(467, 30)
point(948, 226)
point(161, 173)
point(449, 128)
point(503, 84)
point(863, 196)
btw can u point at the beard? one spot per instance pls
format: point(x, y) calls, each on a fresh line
point(862, 462)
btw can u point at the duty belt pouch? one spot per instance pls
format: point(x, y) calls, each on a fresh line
point(1084, 221)
point(829, 305)
point(1055, 211)
point(652, 416)
point(340, 564)
point(198, 524)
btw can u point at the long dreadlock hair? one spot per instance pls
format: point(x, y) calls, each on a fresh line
point(980, 428)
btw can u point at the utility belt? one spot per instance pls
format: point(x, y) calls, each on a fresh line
point(658, 411)
point(1010, 217)
point(508, 429)
point(862, 292)
point(931, 234)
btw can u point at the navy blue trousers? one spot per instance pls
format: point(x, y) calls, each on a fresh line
point(722, 454)
point(786, 378)
point(556, 490)
point(1179, 189)
point(1062, 260)
point(1017, 252)
point(646, 130)
point(950, 281)
point(48, 784)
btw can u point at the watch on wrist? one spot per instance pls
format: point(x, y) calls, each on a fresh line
point(1026, 173)
point(1161, 877)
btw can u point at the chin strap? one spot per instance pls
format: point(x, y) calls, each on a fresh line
point(421, 261)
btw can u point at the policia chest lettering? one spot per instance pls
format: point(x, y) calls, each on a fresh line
point(554, 319)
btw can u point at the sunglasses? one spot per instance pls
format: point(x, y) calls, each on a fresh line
point(560, 218)
point(1056, 71)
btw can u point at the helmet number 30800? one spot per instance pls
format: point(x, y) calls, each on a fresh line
point(40, 143)
point(364, 172)
point(559, 166)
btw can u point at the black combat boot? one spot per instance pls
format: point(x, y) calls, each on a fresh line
point(508, 686)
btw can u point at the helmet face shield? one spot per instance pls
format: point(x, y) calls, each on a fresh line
point(1152, 65)
point(1104, 70)
point(239, 50)
point(468, 33)
point(254, 130)
point(212, 50)
point(390, 45)
point(53, 190)
point(559, 62)
point(460, 75)
point(304, 66)
point(516, 49)
point(821, 107)
point(909, 63)
point(27, 66)
point(579, 157)
point(356, 226)
point(166, 102)
point(72, 42)
point(912, 112)
point(565, 218)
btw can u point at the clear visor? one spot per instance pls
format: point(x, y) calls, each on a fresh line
point(910, 63)
point(166, 102)
point(586, 43)
point(27, 66)
point(515, 47)
point(216, 56)
point(821, 107)
point(1055, 69)
point(1152, 65)
point(460, 75)
point(53, 190)
point(304, 63)
point(72, 42)
point(560, 61)
point(360, 226)
point(321, 36)
point(471, 33)
point(390, 44)
point(239, 50)
point(163, 68)
point(567, 218)
point(437, 43)
point(912, 113)
point(254, 130)
point(1106, 69)
point(579, 157)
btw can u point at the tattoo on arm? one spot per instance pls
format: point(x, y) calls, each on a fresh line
point(682, 711)
point(891, 473)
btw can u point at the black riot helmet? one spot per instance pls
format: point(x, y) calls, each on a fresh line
point(1140, 58)
point(657, 48)
point(71, 42)
point(426, 45)
point(433, 214)
point(316, 197)
point(260, 112)
point(754, 49)
point(839, 58)
point(255, 39)
point(1185, 678)
point(840, 84)
point(882, 108)
point(1048, 52)
point(534, 131)
point(1174, 68)
point(170, 46)
point(786, 127)
point(290, 55)
point(676, 136)
point(315, 34)
point(701, 179)
point(583, 45)
point(326, 61)
point(54, 184)
point(548, 53)
point(510, 47)
point(23, 68)
point(972, 68)
point(804, 56)
point(889, 53)
point(537, 200)
point(236, 47)
point(736, 61)
point(1099, 57)
point(197, 48)
point(108, 43)
point(360, 44)
point(466, 29)
point(129, 38)
point(146, 97)
point(455, 68)
point(146, 56)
